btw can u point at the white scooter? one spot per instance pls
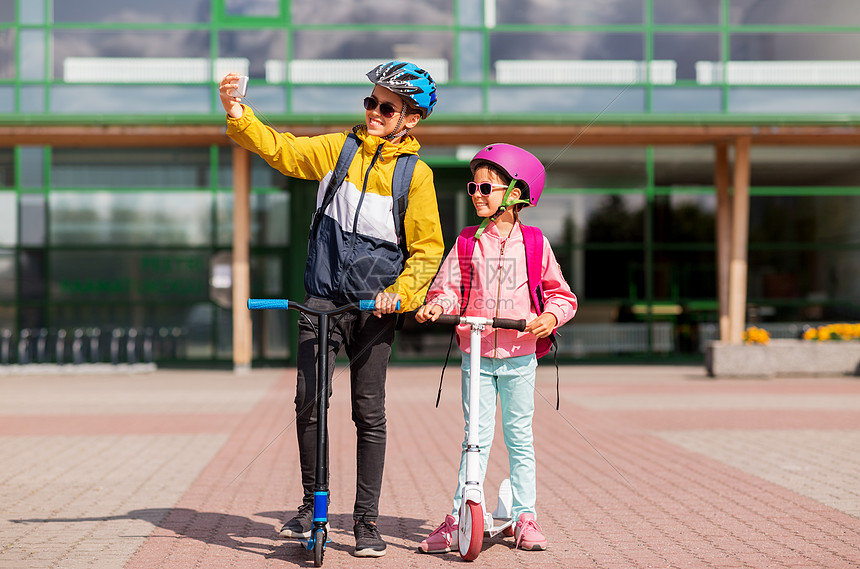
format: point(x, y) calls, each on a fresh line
point(474, 518)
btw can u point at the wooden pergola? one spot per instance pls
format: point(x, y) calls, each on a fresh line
point(731, 180)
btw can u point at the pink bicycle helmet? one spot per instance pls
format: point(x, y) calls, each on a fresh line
point(519, 164)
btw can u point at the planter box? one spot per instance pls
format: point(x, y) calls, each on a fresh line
point(783, 358)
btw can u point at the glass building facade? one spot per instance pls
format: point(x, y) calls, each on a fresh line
point(99, 241)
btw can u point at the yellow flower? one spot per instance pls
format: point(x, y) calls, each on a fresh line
point(838, 331)
point(755, 335)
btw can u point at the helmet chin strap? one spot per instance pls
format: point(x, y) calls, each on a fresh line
point(394, 134)
point(506, 203)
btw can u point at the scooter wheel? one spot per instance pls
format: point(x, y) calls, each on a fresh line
point(319, 547)
point(471, 531)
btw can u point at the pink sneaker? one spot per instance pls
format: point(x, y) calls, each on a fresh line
point(443, 539)
point(528, 534)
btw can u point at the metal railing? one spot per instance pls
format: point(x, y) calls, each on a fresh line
point(82, 346)
point(778, 72)
point(570, 72)
point(150, 69)
point(615, 338)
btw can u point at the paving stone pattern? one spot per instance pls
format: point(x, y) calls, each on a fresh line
point(642, 466)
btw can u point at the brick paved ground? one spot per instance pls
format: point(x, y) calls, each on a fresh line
point(641, 467)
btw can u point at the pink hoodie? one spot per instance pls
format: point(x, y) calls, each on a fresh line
point(500, 289)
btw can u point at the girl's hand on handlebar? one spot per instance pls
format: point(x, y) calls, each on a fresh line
point(543, 325)
point(386, 303)
point(428, 312)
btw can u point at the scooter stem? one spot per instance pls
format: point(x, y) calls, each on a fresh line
point(473, 462)
point(321, 474)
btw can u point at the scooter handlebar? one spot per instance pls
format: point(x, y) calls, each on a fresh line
point(371, 305)
point(509, 323)
point(268, 303)
point(448, 319)
point(282, 304)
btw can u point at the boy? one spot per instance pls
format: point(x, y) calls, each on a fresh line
point(356, 254)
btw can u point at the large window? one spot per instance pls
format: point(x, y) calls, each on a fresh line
point(566, 45)
point(793, 47)
point(132, 11)
point(794, 12)
point(126, 218)
point(700, 58)
point(569, 12)
point(130, 168)
point(263, 50)
point(256, 8)
point(808, 167)
point(686, 49)
point(269, 219)
point(8, 219)
point(87, 56)
point(128, 237)
point(7, 171)
point(381, 45)
point(687, 12)
point(7, 54)
point(405, 12)
point(8, 276)
point(106, 276)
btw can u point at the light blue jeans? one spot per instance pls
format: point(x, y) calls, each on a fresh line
point(512, 380)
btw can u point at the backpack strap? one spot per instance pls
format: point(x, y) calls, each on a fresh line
point(400, 182)
point(533, 239)
point(401, 179)
point(465, 247)
point(347, 153)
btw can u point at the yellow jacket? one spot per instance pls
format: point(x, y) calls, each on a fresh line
point(365, 190)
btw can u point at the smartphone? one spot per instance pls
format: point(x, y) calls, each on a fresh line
point(242, 88)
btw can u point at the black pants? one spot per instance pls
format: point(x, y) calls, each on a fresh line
point(367, 340)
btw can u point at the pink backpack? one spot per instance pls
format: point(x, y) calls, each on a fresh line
point(533, 239)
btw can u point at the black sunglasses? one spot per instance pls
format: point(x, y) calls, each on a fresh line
point(385, 109)
point(486, 188)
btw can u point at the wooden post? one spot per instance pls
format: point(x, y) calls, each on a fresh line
point(241, 252)
point(740, 236)
point(722, 178)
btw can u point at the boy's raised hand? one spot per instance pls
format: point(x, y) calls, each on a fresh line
point(543, 325)
point(231, 104)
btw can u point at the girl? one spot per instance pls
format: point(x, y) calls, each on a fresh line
point(506, 179)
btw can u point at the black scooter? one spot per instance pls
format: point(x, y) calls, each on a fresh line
point(319, 533)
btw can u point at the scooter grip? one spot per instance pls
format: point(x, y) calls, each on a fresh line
point(264, 303)
point(371, 305)
point(509, 323)
point(448, 319)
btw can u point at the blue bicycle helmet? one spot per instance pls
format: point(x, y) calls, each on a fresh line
point(407, 80)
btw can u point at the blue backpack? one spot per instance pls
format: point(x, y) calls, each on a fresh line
point(332, 270)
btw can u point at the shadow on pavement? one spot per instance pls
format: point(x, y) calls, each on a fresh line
point(251, 536)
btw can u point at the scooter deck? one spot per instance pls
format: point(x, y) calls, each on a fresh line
point(497, 529)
